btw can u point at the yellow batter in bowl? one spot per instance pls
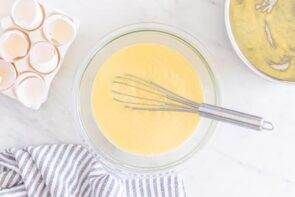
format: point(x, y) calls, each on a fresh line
point(146, 133)
point(264, 31)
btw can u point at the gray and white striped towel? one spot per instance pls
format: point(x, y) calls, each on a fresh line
point(72, 171)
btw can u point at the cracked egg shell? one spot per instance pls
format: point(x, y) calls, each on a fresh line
point(31, 90)
point(59, 29)
point(27, 14)
point(14, 44)
point(44, 57)
point(8, 75)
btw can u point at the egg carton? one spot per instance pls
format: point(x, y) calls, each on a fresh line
point(34, 40)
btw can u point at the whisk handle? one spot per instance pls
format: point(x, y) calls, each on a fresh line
point(234, 117)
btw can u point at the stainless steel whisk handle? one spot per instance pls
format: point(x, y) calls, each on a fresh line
point(234, 117)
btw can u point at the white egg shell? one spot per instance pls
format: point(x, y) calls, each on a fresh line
point(44, 57)
point(27, 14)
point(59, 29)
point(31, 90)
point(8, 75)
point(14, 44)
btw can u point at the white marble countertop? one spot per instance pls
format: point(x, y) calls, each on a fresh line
point(236, 161)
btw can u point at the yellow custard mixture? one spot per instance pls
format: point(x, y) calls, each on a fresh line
point(264, 31)
point(146, 132)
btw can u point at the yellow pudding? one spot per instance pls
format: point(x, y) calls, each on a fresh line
point(146, 132)
point(264, 31)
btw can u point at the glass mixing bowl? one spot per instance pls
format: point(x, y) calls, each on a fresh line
point(109, 154)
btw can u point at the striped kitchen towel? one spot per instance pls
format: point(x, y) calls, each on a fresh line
point(73, 171)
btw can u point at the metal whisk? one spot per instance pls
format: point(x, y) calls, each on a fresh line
point(141, 94)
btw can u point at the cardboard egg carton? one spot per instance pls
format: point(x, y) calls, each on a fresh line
point(26, 92)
